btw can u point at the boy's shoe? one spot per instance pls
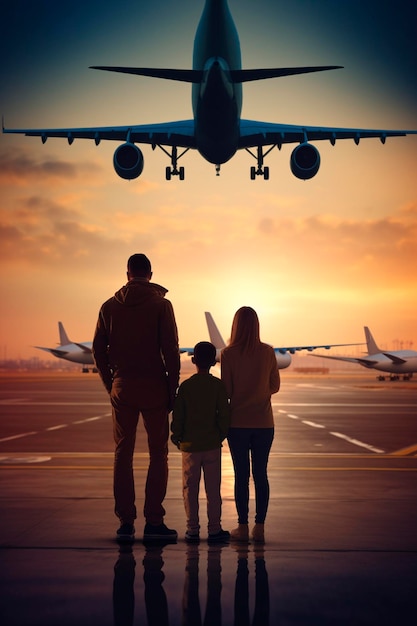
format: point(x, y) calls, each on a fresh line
point(221, 536)
point(159, 532)
point(192, 537)
point(126, 533)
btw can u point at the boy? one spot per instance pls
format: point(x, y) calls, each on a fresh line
point(200, 422)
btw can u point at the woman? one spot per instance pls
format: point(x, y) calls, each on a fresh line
point(249, 371)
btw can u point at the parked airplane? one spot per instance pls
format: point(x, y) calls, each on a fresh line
point(397, 363)
point(70, 351)
point(216, 130)
point(283, 355)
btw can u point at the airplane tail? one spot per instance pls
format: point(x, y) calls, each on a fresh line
point(370, 342)
point(196, 76)
point(186, 76)
point(214, 333)
point(63, 337)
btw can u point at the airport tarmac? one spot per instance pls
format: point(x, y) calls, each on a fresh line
point(341, 540)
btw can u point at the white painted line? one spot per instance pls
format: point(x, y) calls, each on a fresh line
point(93, 419)
point(313, 424)
point(25, 402)
point(24, 459)
point(293, 417)
point(349, 404)
point(358, 443)
point(19, 436)
point(57, 427)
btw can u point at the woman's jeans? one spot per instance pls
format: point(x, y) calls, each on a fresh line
point(251, 445)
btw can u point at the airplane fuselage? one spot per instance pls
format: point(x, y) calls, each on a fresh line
point(385, 364)
point(217, 100)
point(72, 352)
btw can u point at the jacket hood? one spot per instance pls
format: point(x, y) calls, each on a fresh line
point(139, 291)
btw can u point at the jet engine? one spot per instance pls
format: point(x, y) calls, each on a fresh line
point(128, 161)
point(283, 359)
point(305, 161)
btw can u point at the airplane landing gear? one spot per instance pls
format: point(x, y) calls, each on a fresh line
point(174, 172)
point(260, 170)
point(173, 169)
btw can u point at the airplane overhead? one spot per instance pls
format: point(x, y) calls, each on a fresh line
point(216, 130)
point(396, 362)
point(70, 351)
point(282, 355)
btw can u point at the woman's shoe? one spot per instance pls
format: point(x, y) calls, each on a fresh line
point(241, 533)
point(258, 533)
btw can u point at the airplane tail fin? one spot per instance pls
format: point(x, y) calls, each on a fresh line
point(370, 342)
point(63, 337)
point(214, 333)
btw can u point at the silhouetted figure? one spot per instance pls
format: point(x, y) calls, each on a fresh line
point(200, 422)
point(123, 587)
point(191, 615)
point(241, 602)
point(261, 613)
point(250, 372)
point(153, 576)
point(136, 352)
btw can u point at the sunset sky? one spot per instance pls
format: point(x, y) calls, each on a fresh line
point(318, 260)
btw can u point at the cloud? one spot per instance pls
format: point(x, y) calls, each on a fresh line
point(21, 169)
point(41, 232)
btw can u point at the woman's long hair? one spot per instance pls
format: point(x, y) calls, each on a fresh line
point(245, 329)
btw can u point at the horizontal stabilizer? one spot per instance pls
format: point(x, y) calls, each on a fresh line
point(186, 76)
point(244, 76)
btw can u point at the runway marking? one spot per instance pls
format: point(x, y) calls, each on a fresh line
point(11, 466)
point(58, 427)
point(358, 443)
point(19, 436)
point(91, 419)
point(313, 424)
point(349, 404)
point(355, 442)
point(24, 402)
point(27, 459)
point(406, 451)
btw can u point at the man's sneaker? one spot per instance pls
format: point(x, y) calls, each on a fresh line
point(126, 533)
point(159, 532)
point(192, 537)
point(221, 536)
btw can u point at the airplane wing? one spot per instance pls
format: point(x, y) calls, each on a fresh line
point(85, 347)
point(253, 134)
point(180, 133)
point(294, 349)
point(394, 358)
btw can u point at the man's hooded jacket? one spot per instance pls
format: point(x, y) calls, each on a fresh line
point(136, 336)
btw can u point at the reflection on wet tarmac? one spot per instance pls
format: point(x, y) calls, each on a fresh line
point(241, 603)
point(154, 594)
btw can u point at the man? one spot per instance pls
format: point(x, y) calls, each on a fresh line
point(136, 352)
